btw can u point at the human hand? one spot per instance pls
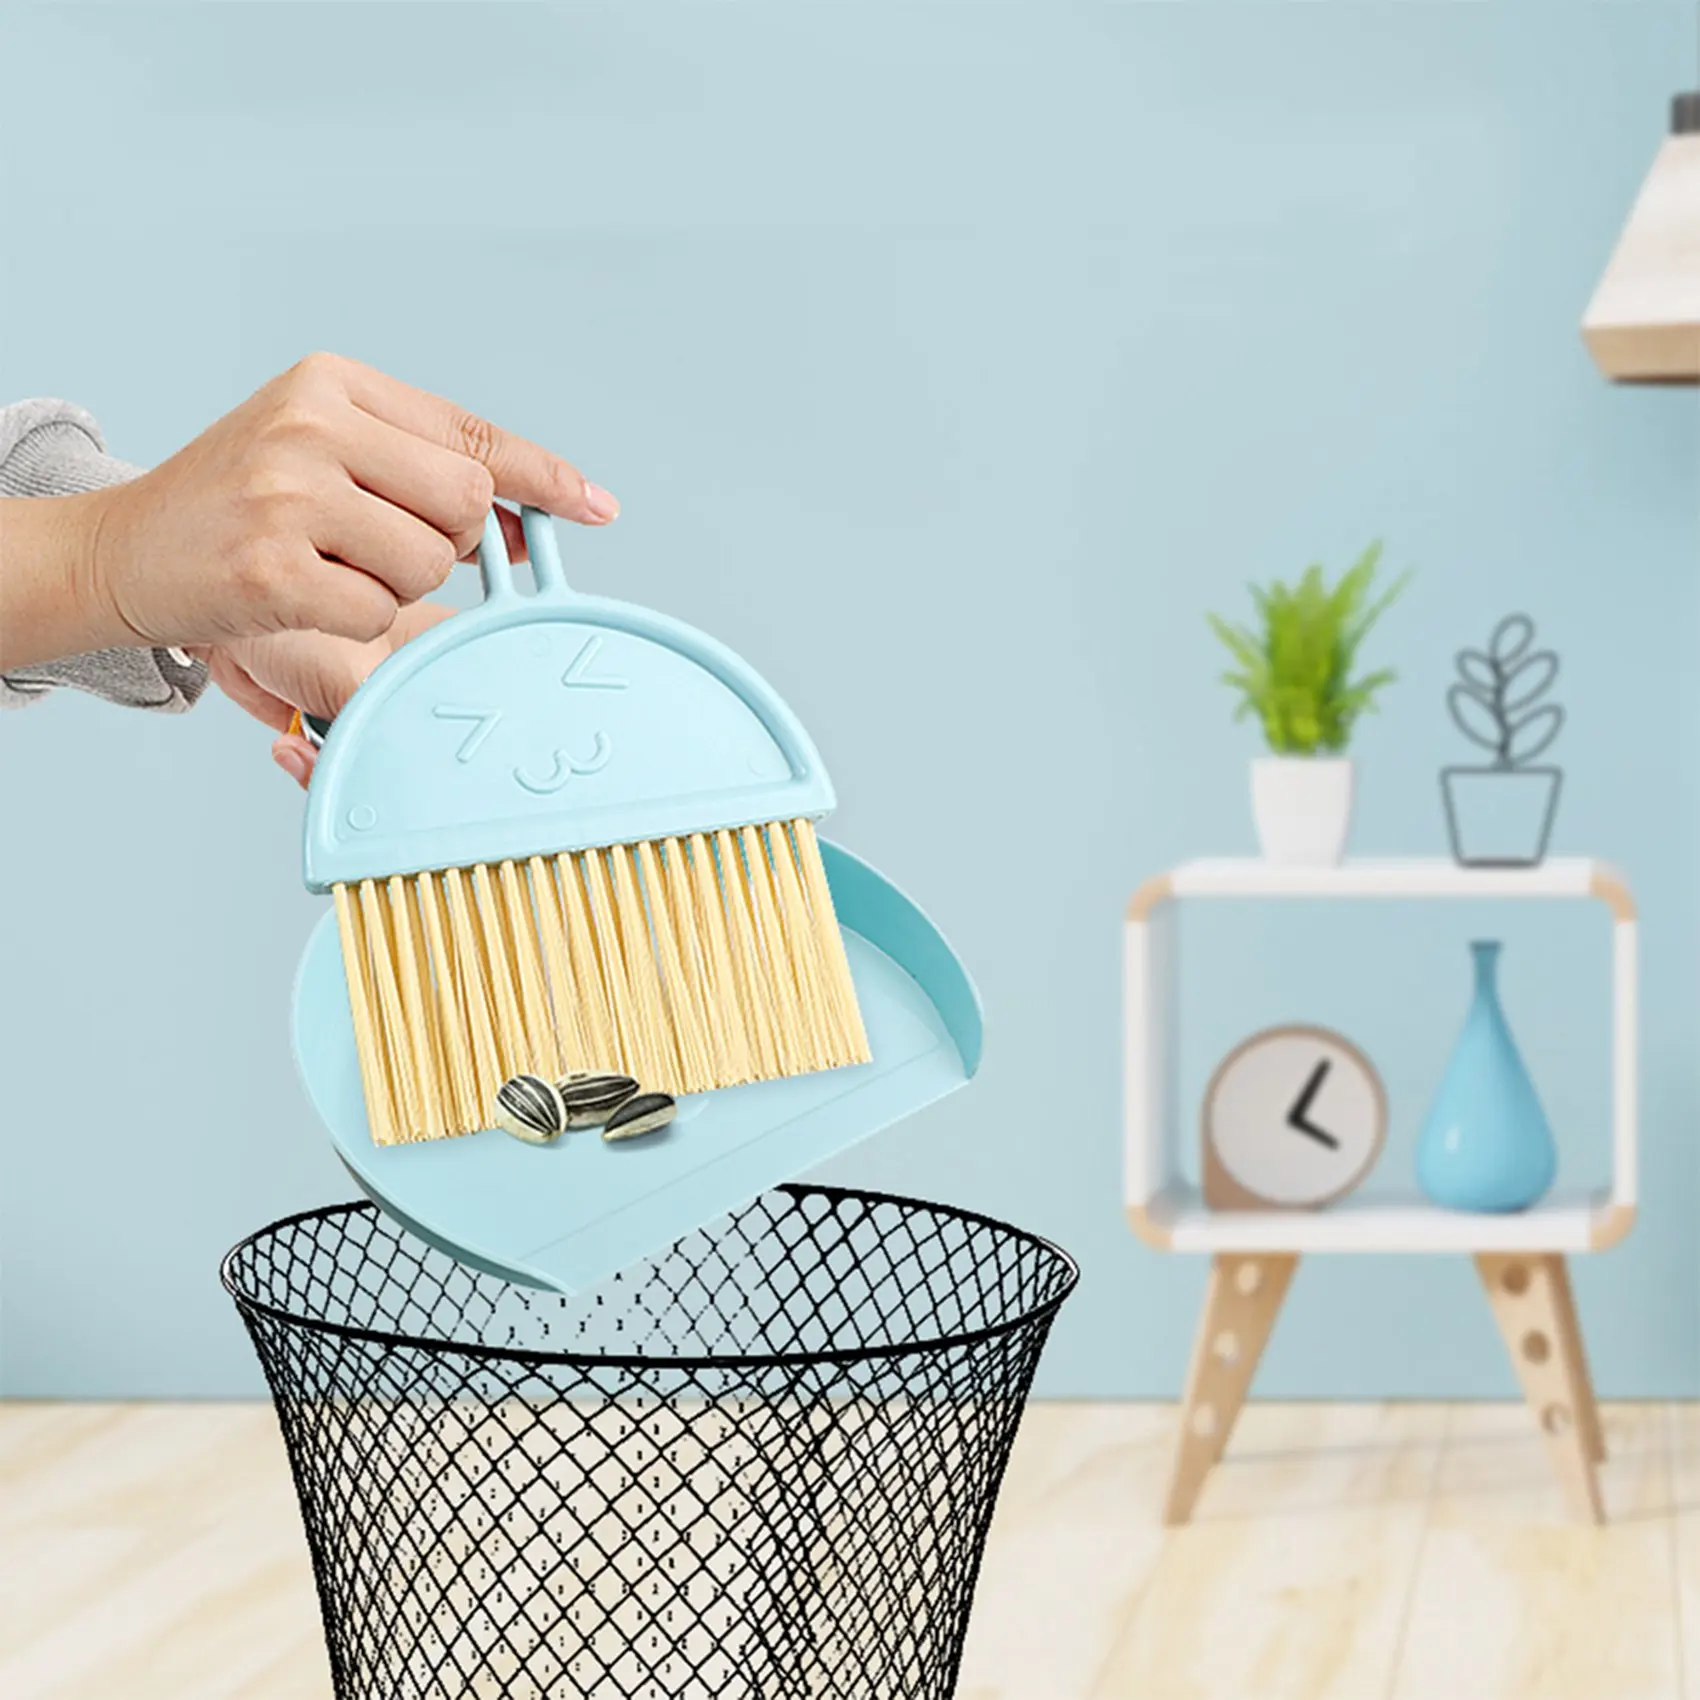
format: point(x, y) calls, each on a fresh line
point(273, 676)
point(331, 498)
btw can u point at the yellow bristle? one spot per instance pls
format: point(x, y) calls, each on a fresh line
point(720, 985)
point(496, 973)
point(841, 989)
point(801, 946)
point(797, 1053)
point(425, 990)
point(374, 1072)
point(712, 996)
point(469, 989)
point(564, 997)
point(451, 1022)
point(689, 963)
point(746, 957)
point(404, 1059)
point(542, 1051)
point(684, 1010)
point(643, 974)
point(408, 959)
point(595, 1006)
point(631, 1033)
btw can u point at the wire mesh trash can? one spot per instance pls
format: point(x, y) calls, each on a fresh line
point(761, 1466)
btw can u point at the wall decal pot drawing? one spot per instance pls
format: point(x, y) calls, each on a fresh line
point(1294, 674)
point(1500, 815)
point(1486, 1145)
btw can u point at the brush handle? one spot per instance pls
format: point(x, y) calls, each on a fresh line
point(496, 569)
point(460, 748)
point(308, 726)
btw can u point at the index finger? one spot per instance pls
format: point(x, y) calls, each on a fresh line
point(523, 472)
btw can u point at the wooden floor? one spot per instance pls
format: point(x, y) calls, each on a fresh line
point(1365, 1552)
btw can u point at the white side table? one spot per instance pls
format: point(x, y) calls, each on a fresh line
point(1520, 1258)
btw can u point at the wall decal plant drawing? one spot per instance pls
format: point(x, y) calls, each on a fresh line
point(1500, 815)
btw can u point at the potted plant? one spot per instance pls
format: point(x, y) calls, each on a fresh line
point(1295, 674)
point(1500, 815)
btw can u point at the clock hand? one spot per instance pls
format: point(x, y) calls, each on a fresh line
point(1297, 1117)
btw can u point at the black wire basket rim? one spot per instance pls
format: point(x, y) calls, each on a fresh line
point(1043, 1312)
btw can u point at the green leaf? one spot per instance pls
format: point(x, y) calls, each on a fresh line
point(1241, 643)
point(1294, 672)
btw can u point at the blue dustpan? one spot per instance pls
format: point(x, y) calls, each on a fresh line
point(570, 1214)
point(398, 789)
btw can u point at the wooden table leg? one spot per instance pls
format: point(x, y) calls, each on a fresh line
point(1528, 1293)
point(1240, 1306)
point(1593, 1435)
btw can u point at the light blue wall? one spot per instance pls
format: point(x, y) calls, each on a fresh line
point(949, 360)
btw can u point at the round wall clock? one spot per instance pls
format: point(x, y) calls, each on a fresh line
point(1294, 1117)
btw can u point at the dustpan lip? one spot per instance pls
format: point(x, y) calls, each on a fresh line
point(1041, 1312)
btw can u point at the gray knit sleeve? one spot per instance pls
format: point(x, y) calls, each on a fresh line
point(50, 448)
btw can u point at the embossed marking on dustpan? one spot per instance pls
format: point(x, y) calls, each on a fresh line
point(533, 693)
point(571, 1214)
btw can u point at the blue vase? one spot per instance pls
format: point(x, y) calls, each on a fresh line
point(1486, 1144)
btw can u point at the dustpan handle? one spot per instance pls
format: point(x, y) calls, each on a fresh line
point(496, 569)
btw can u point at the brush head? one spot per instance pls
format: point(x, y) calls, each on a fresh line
point(532, 725)
point(570, 1213)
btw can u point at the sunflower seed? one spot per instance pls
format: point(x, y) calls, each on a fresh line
point(591, 1097)
point(530, 1109)
point(645, 1113)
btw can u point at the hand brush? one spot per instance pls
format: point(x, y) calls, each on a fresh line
point(567, 833)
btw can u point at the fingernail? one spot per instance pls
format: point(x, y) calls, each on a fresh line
point(292, 760)
point(600, 502)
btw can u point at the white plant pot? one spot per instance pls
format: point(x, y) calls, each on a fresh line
point(1303, 808)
